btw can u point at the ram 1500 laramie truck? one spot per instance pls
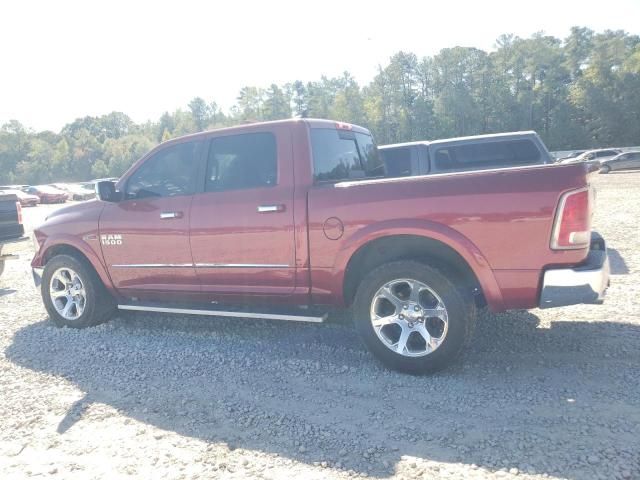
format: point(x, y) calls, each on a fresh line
point(291, 219)
point(11, 227)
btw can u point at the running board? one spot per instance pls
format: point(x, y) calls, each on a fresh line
point(222, 313)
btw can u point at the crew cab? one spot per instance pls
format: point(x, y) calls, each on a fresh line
point(294, 219)
point(11, 227)
point(478, 152)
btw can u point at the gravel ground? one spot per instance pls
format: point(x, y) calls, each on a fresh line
point(541, 394)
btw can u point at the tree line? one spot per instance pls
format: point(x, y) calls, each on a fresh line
point(578, 92)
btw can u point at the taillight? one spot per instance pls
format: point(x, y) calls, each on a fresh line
point(572, 226)
point(19, 209)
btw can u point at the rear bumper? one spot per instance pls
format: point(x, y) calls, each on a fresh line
point(585, 283)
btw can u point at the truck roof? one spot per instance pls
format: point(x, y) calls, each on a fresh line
point(311, 122)
point(472, 138)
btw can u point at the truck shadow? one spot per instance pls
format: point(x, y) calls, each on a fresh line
point(617, 263)
point(528, 395)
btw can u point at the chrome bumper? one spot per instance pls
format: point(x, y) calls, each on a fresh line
point(585, 283)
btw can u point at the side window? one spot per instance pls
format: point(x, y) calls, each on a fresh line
point(606, 153)
point(335, 155)
point(397, 161)
point(471, 156)
point(242, 161)
point(168, 173)
point(372, 164)
point(342, 155)
point(525, 152)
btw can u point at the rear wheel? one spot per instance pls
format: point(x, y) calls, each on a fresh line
point(412, 317)
point(73, 294)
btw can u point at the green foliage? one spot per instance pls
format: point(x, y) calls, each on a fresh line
point(580, 92)
point(199, 112)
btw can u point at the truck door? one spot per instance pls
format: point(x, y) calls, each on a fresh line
point(145, 236)
point(242, 225)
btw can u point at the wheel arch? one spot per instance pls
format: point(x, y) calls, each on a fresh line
point(82, 252)
point(432, 243)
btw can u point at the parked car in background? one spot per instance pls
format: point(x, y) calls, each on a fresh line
point(25, 199)
point(292, 219)
point(13, 187)
point(571, 155)
point(91, 185)
point(595, 156)
point(480, 152)
point(11, 227)
point(624, 161)
point(48, 194)
point(76, 191)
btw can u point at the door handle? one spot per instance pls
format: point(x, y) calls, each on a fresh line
point(167, 215)
point(270, 208)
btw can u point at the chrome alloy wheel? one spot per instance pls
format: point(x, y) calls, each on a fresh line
point(67, 293)
point(409, 318)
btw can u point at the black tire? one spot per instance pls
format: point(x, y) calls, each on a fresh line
point(99, 304)
point(1, 266)
point(605, 169)
point(460, 307)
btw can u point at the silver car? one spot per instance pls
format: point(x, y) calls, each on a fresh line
point(624, 161)
point(598, 156)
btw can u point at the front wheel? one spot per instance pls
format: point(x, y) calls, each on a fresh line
point(412, 317)
point(605, 169)
point(73, 293)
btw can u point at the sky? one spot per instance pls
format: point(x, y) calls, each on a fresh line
point(61, 59)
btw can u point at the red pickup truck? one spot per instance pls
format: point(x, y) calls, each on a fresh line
point(292, 219)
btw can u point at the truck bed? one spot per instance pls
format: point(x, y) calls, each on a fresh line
point(502, 218)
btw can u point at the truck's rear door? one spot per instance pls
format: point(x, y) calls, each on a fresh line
point(242, 225)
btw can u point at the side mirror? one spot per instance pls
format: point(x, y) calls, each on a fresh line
point(106, 191)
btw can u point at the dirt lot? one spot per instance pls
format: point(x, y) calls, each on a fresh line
point(542, 394)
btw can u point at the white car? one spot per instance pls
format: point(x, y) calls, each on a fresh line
point(75, 191)
point(594, 155)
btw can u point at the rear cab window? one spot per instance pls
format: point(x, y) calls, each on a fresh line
point(486, 155)
point(344, 155)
